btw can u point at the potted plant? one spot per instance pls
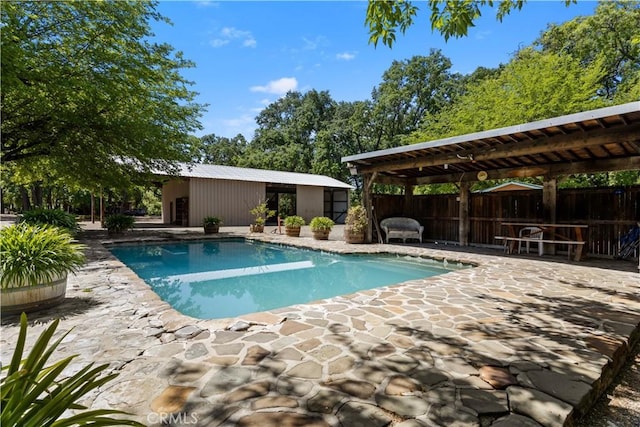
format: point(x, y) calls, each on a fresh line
point(261, 214)
point(34, 263)
point(117, 224)
point(292, 225)
point(321, 227)
point(211, 224)
point(355, 225)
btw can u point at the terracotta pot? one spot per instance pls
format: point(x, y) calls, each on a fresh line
point(351, 236)
point(33, 298)
point(292, 231)
point(256, 228)
point(211, 229)
point(321, 234)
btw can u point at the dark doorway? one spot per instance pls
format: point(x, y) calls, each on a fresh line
point(336, 203)
point(282, 199)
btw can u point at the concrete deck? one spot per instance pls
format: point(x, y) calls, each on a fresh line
point(515, 341)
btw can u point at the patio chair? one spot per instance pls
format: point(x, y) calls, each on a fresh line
point(531, 233)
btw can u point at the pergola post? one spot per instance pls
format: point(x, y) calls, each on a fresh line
point(408, 200)
point(549, 198)
point(367, 183)
point(463, 224)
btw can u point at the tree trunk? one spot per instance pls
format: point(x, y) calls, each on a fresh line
point(26, 203)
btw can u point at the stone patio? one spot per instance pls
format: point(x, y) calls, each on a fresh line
point(514, 341)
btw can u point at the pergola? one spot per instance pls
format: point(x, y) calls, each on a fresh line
point(606, 139)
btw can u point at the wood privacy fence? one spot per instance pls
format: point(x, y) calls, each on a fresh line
point(610, 213)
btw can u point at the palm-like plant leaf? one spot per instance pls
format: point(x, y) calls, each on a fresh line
point(32, 395)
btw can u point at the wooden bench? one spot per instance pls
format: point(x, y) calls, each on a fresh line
point(401, 228)
point(570, 243)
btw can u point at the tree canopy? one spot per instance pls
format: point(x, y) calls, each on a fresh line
point(611, 35)
point(86, 93)
point(449, 18)
point(533, 86)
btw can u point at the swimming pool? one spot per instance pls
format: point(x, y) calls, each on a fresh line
point(227, 278)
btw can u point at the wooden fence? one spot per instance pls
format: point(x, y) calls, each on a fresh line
point(609, 212)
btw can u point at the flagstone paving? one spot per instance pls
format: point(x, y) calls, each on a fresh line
point(513, 341)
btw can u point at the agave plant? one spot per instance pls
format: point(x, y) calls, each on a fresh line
point(35, 254)
point(33, 394)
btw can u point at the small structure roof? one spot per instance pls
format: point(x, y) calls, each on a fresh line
point(233, 173)
point(522, 185)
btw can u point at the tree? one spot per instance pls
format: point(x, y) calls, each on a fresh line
point(287, 130)
point(220, 150)
point(533, 86)
point(411, 89)
point(87, 95)
point(450, 18)
point(611, 35)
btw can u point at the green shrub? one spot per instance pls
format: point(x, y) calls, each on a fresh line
point(33, 394)
point(356, 219)
point(321, 223)
point(294, 221)
point(119, 223)
point(261, 213)
point(55, 217)
point(211, 220)
point(34, 254)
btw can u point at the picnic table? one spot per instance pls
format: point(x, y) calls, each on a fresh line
point(556, 234)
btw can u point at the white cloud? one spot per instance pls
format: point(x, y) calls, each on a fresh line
point(206, 3)
point(481, 35)
point(229, 34)
point(309, 44)
point(278, 87)
point(218, 42)
point(238, 122)
point(346, 56)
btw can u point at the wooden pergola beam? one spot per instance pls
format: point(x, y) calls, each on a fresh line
point(537, 146)
point(588, 166)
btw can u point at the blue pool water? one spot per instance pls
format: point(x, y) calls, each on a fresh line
point(227, 278)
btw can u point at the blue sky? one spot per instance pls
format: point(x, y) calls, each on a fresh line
point(250, 53)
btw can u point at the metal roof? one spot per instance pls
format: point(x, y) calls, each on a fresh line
point(232, 173)
point(596, 140)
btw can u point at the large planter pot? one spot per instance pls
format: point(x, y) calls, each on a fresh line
point(292, 231)
point(321, 234)
point(351, 236)
point(256, 228)
point(211, 229)
point(33, 298)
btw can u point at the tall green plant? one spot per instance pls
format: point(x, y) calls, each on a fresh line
point(34, 395)
point(55, 217)
point(356, 218)
point(262, 213)
point(34, 254)
point(119, 223)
